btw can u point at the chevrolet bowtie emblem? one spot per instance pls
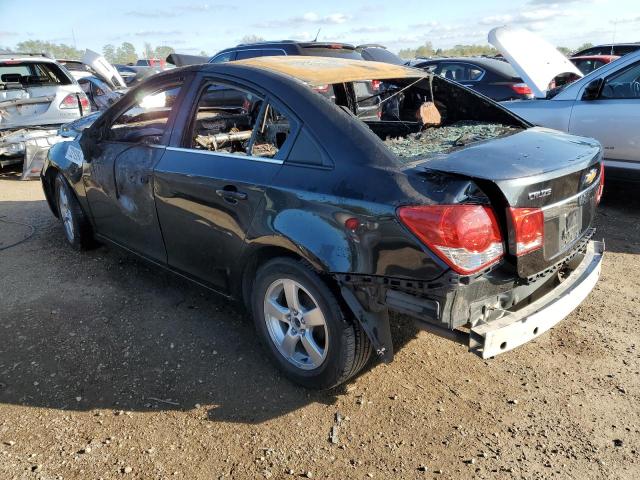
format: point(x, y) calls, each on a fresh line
point(589, 177)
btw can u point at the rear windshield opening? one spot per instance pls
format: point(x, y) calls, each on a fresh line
point(422, 117)
point(331, 52)
point(31, 74)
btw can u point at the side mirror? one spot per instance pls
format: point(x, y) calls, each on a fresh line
point(592, 92)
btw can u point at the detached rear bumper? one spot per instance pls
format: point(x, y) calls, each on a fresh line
point(515, 328)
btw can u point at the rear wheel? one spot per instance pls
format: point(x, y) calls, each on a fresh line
point(303, 327)
point(75, 224)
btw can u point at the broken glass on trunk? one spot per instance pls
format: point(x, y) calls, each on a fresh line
point(444, 139)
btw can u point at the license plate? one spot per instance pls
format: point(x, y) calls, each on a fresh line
point(570, 226)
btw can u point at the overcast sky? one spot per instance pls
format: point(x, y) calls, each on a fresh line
point(193, 26)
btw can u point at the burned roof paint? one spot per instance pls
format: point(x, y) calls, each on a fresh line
point(321, 71)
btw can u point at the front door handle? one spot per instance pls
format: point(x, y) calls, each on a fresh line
point(231, 193)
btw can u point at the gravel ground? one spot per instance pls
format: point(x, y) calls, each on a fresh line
point(110, 369)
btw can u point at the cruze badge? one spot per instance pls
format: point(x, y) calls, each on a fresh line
point(589, 177)
point(539, 193)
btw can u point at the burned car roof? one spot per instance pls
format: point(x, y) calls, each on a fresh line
point(320, 71)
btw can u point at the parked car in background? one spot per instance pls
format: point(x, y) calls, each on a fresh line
point(605, 105)
point(589, 63)
point(36, 90)
point(379, 53)
point(536, 61)
point(94, 64)
point(133, 75)
point(76, 68)
point(152, 62)
point(618, 49)
point(99, 93)
point(286, 47)
point(491, 77)
point(475, 223)
point(99, 80)
point(37, 95)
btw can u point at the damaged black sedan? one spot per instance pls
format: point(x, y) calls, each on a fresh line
point(261, 180)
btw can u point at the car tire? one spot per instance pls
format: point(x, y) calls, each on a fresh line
point(75, 224)
point(330, 347)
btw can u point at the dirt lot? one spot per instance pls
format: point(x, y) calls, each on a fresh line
point(113, 369)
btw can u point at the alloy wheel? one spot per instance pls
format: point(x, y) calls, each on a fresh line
point(65, 213)
point(296, 324)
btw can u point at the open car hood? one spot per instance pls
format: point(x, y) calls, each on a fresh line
point(536, 60)
point(102, 67)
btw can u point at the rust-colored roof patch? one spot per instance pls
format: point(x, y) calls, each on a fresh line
point(327, 70)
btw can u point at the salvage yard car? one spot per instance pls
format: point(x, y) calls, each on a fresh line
point(450, 208)
point(588, 63)
point(605, 104)
point(37, 95)
point(489, 76)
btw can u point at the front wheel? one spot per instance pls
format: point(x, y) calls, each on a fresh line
point(75, 223)
point(304, 328)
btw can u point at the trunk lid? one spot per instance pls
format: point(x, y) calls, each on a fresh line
point(536, 168)
point(536, 61)
point(104, 69)
point(35, 106)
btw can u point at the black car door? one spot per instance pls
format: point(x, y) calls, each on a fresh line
point(213, 178)
point(118, 175)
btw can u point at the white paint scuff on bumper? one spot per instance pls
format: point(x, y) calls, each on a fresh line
point(514, 329)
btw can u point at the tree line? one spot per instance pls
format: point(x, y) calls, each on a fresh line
point(427, 50)
point(126, 51)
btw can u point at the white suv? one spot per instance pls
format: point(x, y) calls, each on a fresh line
point(37, 95)
point(38, 91)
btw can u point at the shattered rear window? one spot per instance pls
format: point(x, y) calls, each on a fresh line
point(32, 74)
point(434, 140)
point(422, 117)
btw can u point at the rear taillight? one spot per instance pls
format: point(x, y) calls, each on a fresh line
point(601, 186)
point(70, 101)
point(85, 104)
point(465, 237)
point(528, 226)
point(76, 100)
point(521, 88)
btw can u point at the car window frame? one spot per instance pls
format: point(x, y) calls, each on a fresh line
point(271, 49)
point(260, 50)
point(615, 74)
point(84, 81)
point(124, 105)
point(182, 134)
point(426, 65)
point(232, 56)
point(466, 65)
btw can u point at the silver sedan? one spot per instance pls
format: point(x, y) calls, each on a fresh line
point(604, 105)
